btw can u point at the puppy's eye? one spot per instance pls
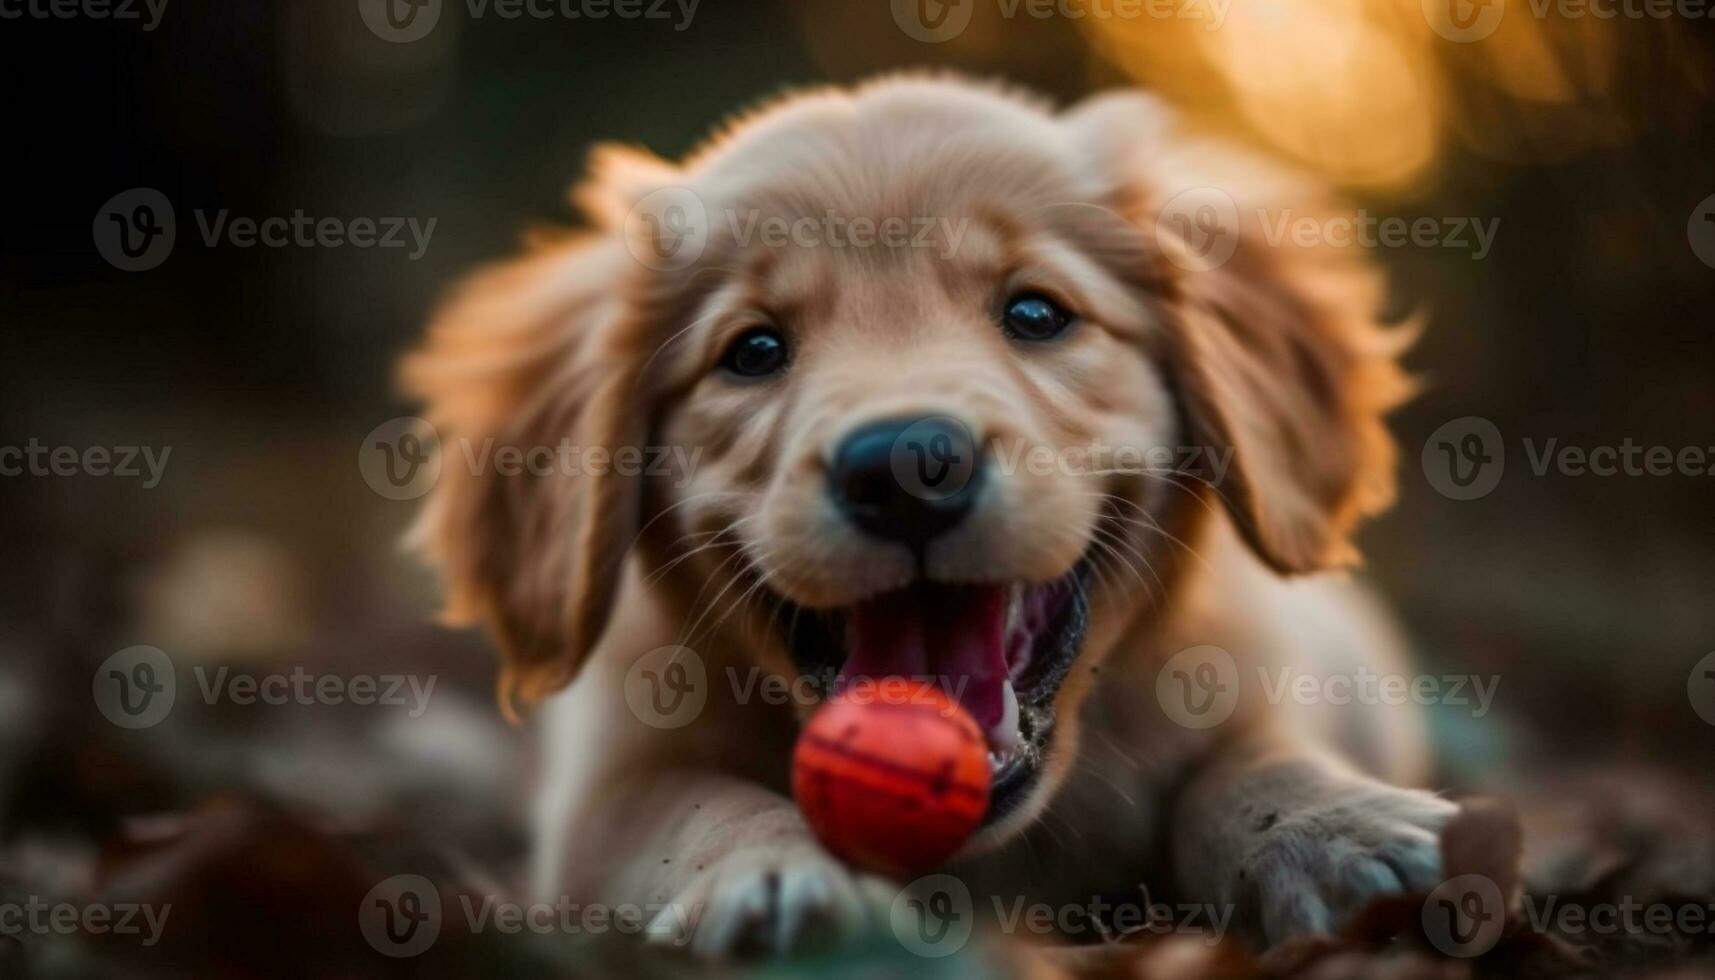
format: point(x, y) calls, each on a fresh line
point(1033, 316)
point(757, 353)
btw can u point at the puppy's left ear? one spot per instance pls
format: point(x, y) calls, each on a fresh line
point(1274, 347)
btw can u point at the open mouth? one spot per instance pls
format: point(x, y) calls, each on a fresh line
point(1000, 650)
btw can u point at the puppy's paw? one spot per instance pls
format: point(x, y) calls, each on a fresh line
point(1312, 869)
point(771, 900)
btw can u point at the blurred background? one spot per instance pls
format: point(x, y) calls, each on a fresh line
point(1588, 142)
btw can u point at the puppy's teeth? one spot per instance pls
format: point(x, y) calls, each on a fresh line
point(1014, 610)
point(1003, 737)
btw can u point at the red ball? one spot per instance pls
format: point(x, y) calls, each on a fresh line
point(892, 775)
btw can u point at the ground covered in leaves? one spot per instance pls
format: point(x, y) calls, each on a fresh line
point(268, 884)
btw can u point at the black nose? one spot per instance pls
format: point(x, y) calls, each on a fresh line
point(906, 480)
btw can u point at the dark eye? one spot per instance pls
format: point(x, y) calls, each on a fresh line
point(757, 352)
point(1033, 316)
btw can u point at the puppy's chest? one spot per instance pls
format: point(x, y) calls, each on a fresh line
point(1104, 835)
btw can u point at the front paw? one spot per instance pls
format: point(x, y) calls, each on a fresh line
point(771, 899)
point(1311, 870)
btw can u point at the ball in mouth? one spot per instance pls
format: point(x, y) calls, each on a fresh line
point(1001, 650)
point(891, 775)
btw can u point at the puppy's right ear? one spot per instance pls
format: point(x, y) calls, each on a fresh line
point(531, 355)
point(620, 176)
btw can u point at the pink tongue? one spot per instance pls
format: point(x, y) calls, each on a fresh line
point(950, 634)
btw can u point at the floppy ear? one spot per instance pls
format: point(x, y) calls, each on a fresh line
point(1275, 351)
point(532, 355)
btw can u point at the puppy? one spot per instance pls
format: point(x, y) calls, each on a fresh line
point(926, 378)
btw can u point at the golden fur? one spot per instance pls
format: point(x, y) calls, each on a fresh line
point(1274, 356)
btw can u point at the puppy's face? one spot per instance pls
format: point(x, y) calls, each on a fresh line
point(909, 438)
point(941, 380)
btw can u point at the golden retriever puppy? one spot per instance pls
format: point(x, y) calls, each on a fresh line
point(925, 378)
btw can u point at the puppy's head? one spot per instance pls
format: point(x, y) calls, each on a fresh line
point(921, 379)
